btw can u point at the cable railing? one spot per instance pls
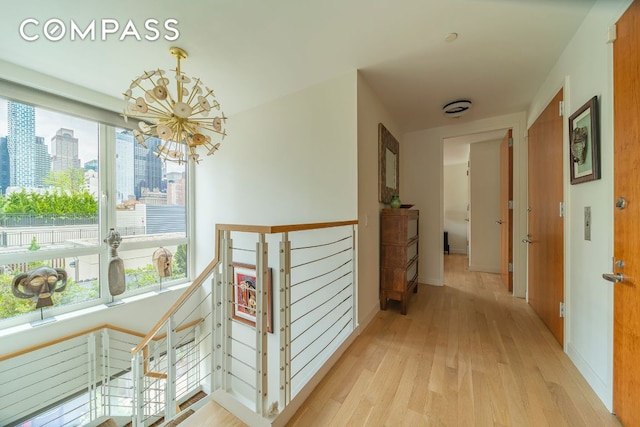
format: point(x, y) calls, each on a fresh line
point(80, 378)
point(280, 301)
point(258, 324)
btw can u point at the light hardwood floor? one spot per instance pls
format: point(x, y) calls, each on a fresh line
point(466, 354)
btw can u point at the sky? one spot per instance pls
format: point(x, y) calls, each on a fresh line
point(48, 123)
point(87, 132)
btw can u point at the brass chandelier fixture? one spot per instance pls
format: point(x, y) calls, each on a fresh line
point(181, 120)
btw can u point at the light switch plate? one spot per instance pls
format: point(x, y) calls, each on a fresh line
point(587, 223)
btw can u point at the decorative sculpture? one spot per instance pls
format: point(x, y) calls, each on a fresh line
point(579, 145)
point(38, 285)
point(162, 262)
point(117, 283)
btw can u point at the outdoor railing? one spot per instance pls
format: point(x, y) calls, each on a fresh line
point(41, 220)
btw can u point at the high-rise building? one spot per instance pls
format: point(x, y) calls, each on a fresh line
point(154, 166)
point(176, 187)
point(137, 167)
point(91, 165)
point(64, 151)
point(21, 138)
point(41, 162)
point(125, 184)
point(5, 165)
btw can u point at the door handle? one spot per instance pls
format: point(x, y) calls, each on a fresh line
point(499, 222)
point(613, 278)
point(527, 239)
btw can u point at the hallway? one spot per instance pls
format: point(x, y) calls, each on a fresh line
point(466, 354)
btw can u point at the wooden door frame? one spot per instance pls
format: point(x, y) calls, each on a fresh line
point(518, 123)
point(566, 186)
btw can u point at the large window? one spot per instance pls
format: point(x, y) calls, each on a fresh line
point(65, 182)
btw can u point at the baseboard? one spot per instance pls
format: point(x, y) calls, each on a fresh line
point(484, 268)
point(458, 251)
point(368, 317)
point(434, 281)
point(283, 418)
point(600, 387)
point(237, 408)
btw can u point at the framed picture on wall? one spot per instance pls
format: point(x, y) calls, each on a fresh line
point(244, 295)
point(584, 143)
point(388, 165)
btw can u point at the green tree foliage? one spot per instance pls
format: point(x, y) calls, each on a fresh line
point(34, 246)
point(67, 181)
point(10, 305)
point(52, 203)
point(179, 264)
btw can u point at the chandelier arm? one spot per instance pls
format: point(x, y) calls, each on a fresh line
point(198, 110)
point(157, 112)
point(193, 92)
point(144, 91)
point(192, 129)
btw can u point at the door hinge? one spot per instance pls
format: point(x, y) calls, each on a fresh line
point(561, 309)
point(511, 204)
point(510, 141)
point(561, 209)
point(510, 267)
point(612, 34)
point(561, 109)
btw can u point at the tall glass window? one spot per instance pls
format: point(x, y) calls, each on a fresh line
point(58, 198)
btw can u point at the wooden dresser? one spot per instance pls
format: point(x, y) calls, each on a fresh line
point(398, 255)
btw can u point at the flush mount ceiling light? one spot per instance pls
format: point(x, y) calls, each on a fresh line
point(456, 108)
point(182, 120)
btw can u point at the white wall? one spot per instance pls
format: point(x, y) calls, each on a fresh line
point(370, 113)
point(421, 182)
point(585, 69)
point(293, 160)
point(290, 161)
point(456, 199)
point(484, 173)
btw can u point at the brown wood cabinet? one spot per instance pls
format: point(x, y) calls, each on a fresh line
point(398, 255)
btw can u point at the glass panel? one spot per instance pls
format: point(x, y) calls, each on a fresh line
point(154, 266)
point(48, 179)
point(150, 195)
point(81, 284)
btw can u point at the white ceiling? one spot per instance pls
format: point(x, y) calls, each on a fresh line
point(254, 51)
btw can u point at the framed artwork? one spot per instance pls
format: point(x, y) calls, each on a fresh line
point(584, 143)
point(388, 165)
point(244, 295)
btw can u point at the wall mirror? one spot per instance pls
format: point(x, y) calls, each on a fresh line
point(388, 165)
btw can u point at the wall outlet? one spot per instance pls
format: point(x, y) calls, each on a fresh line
point(587, 223)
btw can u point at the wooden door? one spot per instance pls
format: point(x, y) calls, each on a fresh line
point(506, 214)
point(545, 225)
point(626, 112)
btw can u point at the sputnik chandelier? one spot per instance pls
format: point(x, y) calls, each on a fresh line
point(181, 120)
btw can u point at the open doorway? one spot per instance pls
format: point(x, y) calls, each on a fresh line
point(472, 199)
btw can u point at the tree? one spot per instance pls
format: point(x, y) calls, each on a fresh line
point(34, 246)
point(180, 261)
point(68, 180)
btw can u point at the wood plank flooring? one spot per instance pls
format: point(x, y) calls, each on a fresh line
point(466, 354)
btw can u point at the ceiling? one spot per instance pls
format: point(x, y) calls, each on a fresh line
point(251, 52)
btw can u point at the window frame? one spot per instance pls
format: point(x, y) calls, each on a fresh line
point(107, 122)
